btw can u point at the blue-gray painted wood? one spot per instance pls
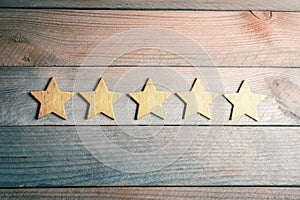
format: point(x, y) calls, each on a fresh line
point(38, 156)
point(282, 87)
point(56, 156)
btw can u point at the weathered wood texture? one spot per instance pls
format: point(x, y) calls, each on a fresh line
point(56, 156)
point(281, 107)
point(204, 193)
point(51, 100)
point(68, 37)
point(264, 44)
point(290, 5)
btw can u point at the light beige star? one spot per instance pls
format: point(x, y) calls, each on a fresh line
point(150, 100)
point(101, 100)
point(197, 100)
point(52, 100)
point(244, 102)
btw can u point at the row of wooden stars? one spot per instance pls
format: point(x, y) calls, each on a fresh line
point(149, 100)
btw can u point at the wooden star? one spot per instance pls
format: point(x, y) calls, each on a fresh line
point(150, 100)
point(52, 100)
point(101, 100)
point(244, 102)
point(197, 100)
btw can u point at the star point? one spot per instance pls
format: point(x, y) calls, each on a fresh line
point(244, 102)
point(101, 100)
point(52, 100)
point(149, 100)
point(197, 100)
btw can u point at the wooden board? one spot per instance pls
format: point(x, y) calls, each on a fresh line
point(205, 193)
point(136, 37)
point(170, 38)
point(55, 156)
point(281, 107)
point(290, 5)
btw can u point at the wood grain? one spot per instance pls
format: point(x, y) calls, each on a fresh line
point(51, 100)
point(244, 102)
point(258, 193)
point(281, 107)
point(259, 46)
point(150, 100)
point(101, 100)
point(278, 85)
point(291, 5)
point(55, 156)
point(170, 38)
point(196, 100)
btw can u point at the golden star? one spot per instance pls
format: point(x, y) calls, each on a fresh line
point(52, 100)
point(196, 100)
point(101, 100)
point(150, 100)
point(244, 102)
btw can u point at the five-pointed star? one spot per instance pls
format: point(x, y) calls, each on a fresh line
point(52, 100)
point(150, 100)
point(244, 102)
point(101, 100)
point(196, 100)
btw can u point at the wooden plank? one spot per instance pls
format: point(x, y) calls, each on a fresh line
point(60, 156)
point(291, 5)
point(281, 107)
point(169, 38)
point(258, 193)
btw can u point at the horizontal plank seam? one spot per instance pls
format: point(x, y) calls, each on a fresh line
point(161, 66)
point(142, 9)
point(158, 125)
point(159, 186)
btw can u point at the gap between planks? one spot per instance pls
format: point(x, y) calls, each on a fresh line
point(291, 5)
point(205, 193)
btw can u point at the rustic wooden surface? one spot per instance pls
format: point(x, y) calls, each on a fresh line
point(281, 107)
point(67, 37)
point(154, 193)
point(290, 5)
point(55, 156)
point(262, 47)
